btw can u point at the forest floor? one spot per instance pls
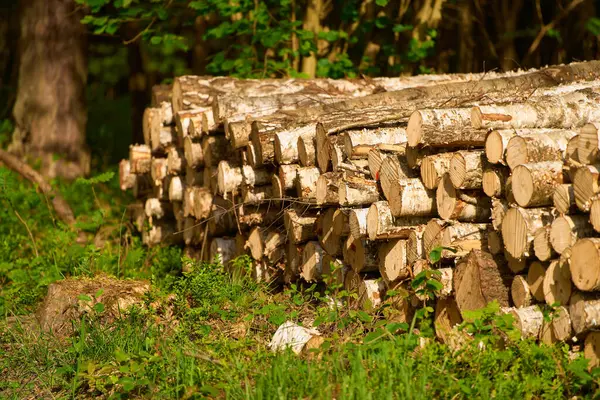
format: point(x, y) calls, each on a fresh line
point(203, 334)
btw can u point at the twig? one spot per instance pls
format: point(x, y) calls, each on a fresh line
point(37, 254)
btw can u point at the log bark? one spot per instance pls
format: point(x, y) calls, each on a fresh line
point(300, 226)
point(557, 284)
point(453, 204)
point(286, 143)
point(414, 245)
point(563, 198)
point(528, 320)
point(392, 135)
point(357, 191)
point(519, 292)
point(519, 226)
point(50, 111)
point(538, 147)
point(566, 230)
point(586, 186)
point(494, 180)
point(478, 280)
point(393, 264)
point(533, 184)
point(425, 126)
point(559, 111)
point(433, 168)
point(585, 264)
point(466, 169)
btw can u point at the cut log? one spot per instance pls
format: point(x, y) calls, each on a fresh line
point(585, 264)
point(143, 186)
point(362, 151)
point(238, 133)
point(193, 153)
point(595, 214)
point(358, 222)
point(215, 148)
point(265, 215)
point(567, 229)
point(432, 235)
point(478, 280)
point(453, 204)
point(287, 176)
point(394, 170)
point(286, 143)
point(299, 225)
point(151, 120)
point(162, 138)
point(329, 240)
point(293, 258)
point(393, 264)
point(176, 189)
point(203, 200)
point(158, 170)
point(251, 156)
point(586, 186)
point(447, 318)
point(222, 250)
point(495, 243)
point(222, 219)
point(563, 198)
point(528, 320)
point(445, 278)
point(341, 227)
point(230, 178)
point(494, 180)
point(533, 184)
point(274, 246)
point(516, 265)
point(496, 143)
point(210, 177)
point(519, 226)
point(161, 233)
point(466, 169)
point(183, 120)
point(558, 329)
point(256, 242)
point(499, 209)
point(312, 262)
point(557, 284)
point(588, 143)
point(371, 293)
point(328, 188)
point(193, 232)
point(388, 135)
point(126, 178)
point(538, 147)
point(306, 182)
point(201, 124)
point(434, 167)
point(585, 312)
point(411, 199)
point(360, 255)
point(542, 247)
point(535, 279)
point(462, 238)
point(559, 111)
point(381, 225)
point(520, 293)
point(256, 194)
point(334, 271)
point(591, 349)
point(156, 209)
point(175, 161)
point(428, 127)
point(307, 151)
point(354, 191)
point(262, 138)
point(140, 158)
point(414, 245)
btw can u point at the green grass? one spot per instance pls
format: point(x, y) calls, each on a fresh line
point(204, 334)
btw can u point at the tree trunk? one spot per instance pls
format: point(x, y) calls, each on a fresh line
point(50, 111)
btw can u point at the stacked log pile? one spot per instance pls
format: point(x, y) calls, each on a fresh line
point(355, 183)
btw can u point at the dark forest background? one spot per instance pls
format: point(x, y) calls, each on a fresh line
point(127, 46)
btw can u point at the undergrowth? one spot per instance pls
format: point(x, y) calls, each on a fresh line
point(205, 333)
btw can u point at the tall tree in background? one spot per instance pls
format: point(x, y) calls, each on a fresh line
point(50, 110)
